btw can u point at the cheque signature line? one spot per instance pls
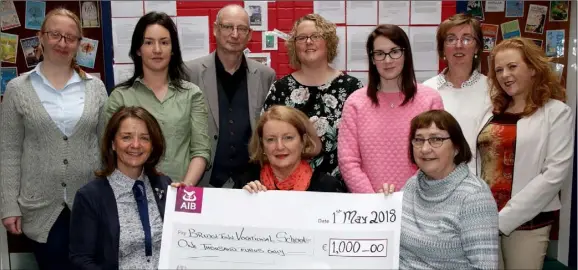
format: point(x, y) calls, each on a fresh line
point(297, 253)
point(201, 258)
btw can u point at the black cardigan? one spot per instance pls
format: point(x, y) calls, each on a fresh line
point(321, 182)
point(94, 226)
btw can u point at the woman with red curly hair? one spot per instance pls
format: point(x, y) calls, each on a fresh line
point(525, 149)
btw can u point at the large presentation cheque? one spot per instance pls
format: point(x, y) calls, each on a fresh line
point(231, 229)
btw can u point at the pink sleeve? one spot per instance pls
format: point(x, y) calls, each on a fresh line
point(437, 103)
point(348, 153)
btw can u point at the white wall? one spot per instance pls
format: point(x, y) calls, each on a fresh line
point(563, 244)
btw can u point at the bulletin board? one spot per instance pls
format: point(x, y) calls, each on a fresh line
point(280, 17)
point(421, 29)
point(21, 63)
point(527, 14)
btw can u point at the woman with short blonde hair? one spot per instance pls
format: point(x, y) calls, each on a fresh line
point(280, 148)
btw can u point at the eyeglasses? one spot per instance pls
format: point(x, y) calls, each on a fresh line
point(57, 36)
point(434, 142)
point(228, 29)
point(465, 40)
point(303, 39)
point(381, 55)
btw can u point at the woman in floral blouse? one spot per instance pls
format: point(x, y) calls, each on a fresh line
point(315, 88)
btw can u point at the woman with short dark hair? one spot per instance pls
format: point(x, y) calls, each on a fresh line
point(117, 218)
point(449, 215)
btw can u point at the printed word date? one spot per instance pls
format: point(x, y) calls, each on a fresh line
point(354, 217)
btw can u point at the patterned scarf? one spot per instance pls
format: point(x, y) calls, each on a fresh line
point(298, 180)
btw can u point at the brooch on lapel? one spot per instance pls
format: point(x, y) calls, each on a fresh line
point(160, 193)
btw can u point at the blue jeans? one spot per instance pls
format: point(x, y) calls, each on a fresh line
point(53, 255)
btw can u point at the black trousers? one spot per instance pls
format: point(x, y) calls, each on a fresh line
point(53, 255)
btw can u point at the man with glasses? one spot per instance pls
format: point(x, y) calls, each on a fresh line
point(235, 88)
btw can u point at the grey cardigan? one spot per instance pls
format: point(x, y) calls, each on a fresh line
point(40, 168)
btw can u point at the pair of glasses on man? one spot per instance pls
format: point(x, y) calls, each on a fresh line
point(434, 142)
point(381, 55)
point(57, 36)
point(313, 38)
point(229, 28)
point(465, 40)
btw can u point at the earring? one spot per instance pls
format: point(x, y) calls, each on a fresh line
point(475, 56)
point(444, 58)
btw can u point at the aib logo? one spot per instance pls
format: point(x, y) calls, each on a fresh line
point(189, 199)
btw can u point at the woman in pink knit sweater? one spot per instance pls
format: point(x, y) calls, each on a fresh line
point(373, 133)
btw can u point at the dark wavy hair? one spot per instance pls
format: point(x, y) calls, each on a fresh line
point(177, 69)
point(408, 83)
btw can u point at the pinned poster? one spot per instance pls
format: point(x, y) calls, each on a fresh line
point(424, 47)
point(168, 7)
point(89, 14)
point(8, 47)
point(555, 43)
point(510, 29)
point(269, 42)
point(35, 12)
point(536, 19)
point(7, 74)
point(495, 6)
point(559, 11)
point(490, 34)
point(426, 12)
point(361, 12)
point(514, 8)
point(340, 60)
point(474, 8)
point(263, 58)
point(333, 11)
point(258, 15)
point(538, 42)
point(8, 16)
point(31, 51)
point(86, 54)
point(280, 34)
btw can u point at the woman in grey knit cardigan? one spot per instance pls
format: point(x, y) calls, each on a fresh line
point(450, 218)
point(49, 141)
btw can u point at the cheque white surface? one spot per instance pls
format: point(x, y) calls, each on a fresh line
point(225, 228)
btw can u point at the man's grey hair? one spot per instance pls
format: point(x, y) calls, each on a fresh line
point(218, 19)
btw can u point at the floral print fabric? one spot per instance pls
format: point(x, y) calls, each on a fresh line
point(323, 105)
